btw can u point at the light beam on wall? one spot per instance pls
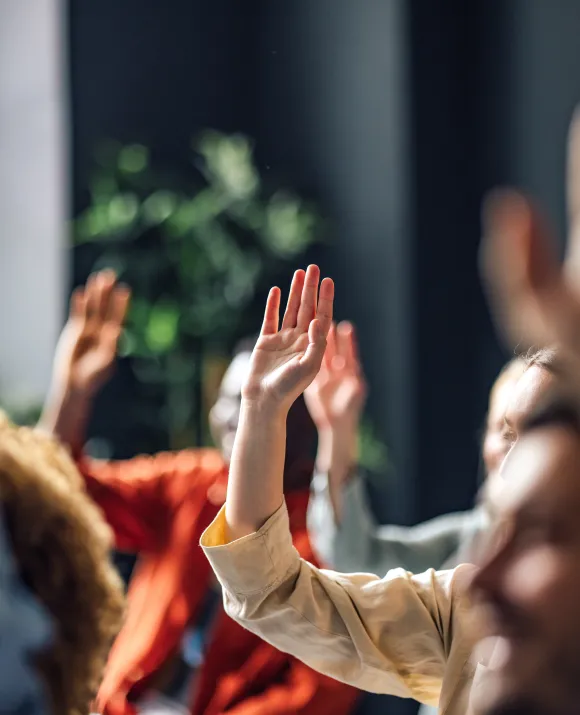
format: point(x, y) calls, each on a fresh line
point(33, 191)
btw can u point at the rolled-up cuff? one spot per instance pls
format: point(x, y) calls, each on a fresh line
point(256, 563)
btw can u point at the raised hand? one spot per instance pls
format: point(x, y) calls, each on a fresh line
point(283, 364)
point(536, 300)
point(286, 360)
point(336, 397)
point(87, 348)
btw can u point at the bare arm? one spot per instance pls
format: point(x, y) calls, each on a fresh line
point(391, 635)
point(335, 400)
point(84, 358)
point(283, 363)
point(65, 415)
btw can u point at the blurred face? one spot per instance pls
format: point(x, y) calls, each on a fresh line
point(528, 588)
point(494, 445)
point(516, 399)
point(301, 431)
point(225, 414)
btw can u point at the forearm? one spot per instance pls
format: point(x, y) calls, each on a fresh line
point(337, 457)
point(330, 621)
point(65, 415)
point(255, 485)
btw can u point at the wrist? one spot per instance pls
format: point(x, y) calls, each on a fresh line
point(263, 413)
point(67, 393)
point(337, 452)
point(340, 437)
point(65, 415)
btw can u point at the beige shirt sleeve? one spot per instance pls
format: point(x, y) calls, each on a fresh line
point(385, 635)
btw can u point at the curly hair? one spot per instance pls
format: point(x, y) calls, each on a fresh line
point(62, 547)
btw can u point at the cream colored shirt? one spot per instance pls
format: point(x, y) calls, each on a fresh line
point(402, 635)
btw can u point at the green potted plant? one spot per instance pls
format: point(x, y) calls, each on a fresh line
point(195, 251)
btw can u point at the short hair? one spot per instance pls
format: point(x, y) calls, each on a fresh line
point(546, 358)
point(61, 545)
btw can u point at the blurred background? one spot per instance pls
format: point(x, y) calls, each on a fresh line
point(207, 149)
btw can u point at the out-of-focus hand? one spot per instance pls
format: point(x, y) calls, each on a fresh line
point(336, 397)
point(284, 362)
point(536, 300)
point(87, 348)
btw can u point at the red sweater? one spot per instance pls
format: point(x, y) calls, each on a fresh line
point(158, 507)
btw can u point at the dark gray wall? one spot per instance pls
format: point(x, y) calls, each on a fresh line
point(335, 113)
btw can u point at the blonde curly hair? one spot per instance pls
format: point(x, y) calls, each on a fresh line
point(62, 547)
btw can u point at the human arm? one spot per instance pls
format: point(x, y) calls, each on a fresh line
point(141, 497)
point(335, 400)
point(84, 358)
point(343, 528)
point(397, 635)
point(359, 543)
point(391, 635)
point(283, 363)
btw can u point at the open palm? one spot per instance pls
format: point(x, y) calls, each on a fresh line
point(88, 345)
point(337, 394)
point(286, 360)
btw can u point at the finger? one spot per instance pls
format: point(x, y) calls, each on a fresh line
point(349, 350)
point(92, 297)
point(272, 312)
point(77, 303)
point(105, 282)
point(519, 267)
point(502, 264)
point(312, 358)
point(325, 305)
point(330, 351)
point(293, 305)
point(309, 299)
point(119, 304)
point(345, 350)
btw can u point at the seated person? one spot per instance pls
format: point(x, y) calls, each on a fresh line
point(62, 600)
point(158, 507)
point(343, 530)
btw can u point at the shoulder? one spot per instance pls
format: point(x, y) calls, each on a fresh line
point(204, 464)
